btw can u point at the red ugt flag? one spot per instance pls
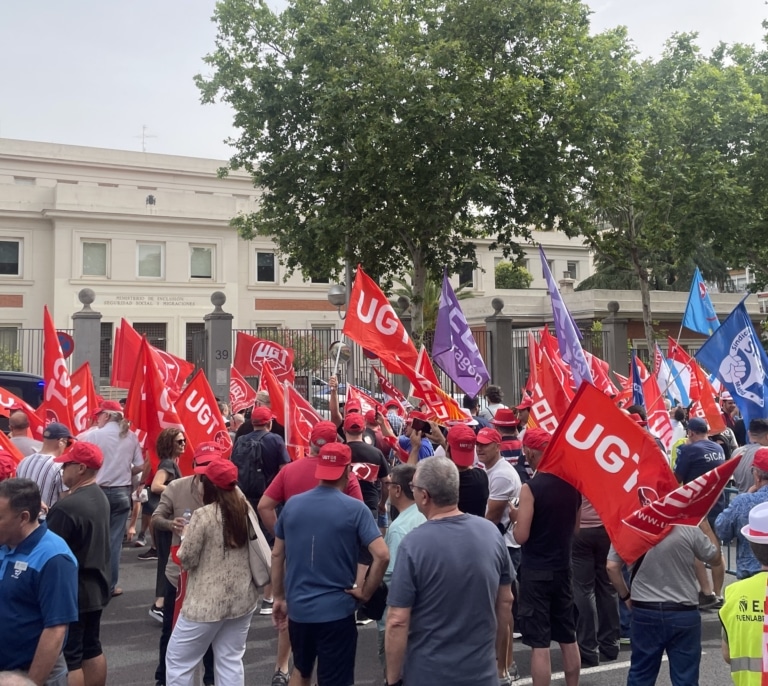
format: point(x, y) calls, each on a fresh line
point(241, 393)
point(57, 403)
point(300, 417)
point(252, 352)
point(84, 401)
point(614, 463)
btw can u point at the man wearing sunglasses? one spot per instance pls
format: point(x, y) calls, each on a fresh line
point(42, 467)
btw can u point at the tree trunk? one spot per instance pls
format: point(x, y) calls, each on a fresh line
point(645, 299)
point(417, 288)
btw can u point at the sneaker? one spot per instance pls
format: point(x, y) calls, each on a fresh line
point(156, 612)
point(280, 678)
point(514, 672)
point(625, 641)
point(720, 602)
point(266, 608)
point(151, 554)
point(516, 634)
point(505, 680)
point(140, 541)
point(707, 602)
point(361, 619)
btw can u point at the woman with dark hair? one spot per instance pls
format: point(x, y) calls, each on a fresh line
point(221, 595)
point(170, 444)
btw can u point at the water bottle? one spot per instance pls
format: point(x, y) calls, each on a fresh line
point(187, 516)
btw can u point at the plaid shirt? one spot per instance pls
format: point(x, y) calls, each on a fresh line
point(728, 526)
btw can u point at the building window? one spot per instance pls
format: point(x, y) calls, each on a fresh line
point(24, 180)
point(94, 259)
point(265, 267)
point(551, 265)
point(320, 279)
point(10, 258)
point(201, 262)
point(196, 343)
point(467, 275)
point(573, 270)
point(155, 333)
point(150, 260)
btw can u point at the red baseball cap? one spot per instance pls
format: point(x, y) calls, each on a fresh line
point(354, 423)
point(332, 461)
point(322, 433)
point(87, 454)
point(221, 473)
point(352, 405)
point(261, 415)
point(536, 439)
point(760, 460)
point(488, 435)
point(525, 404)
point(461, 440)
point(370, 417)
point(111, 406)
point(205, 452)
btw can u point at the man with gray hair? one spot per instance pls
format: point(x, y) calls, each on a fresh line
point(758, 438)
point(440, 628)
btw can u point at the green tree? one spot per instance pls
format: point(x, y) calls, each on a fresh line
point(511, 275)
point(391, 133)
point(668, 138)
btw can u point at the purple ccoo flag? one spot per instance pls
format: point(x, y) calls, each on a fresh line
point(454, 349)
point(567, 332)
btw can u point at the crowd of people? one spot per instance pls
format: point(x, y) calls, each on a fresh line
point(447, 536)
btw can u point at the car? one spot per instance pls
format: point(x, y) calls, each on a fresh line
point(29, 387)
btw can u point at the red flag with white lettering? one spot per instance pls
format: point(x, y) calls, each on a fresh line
point(388, 388)
point(600, 376)
point(372, 324)
point(57, 401)
point(241, 393)
point(251, 352)
point(269, 383)
point(366, 402)
point(658, 417)
point(149, 406)
point(199, 413)
point(10, 402)
point(84, 398)
point(173, 370)
point(300, 417)
point(614, 463)
point(440, 406)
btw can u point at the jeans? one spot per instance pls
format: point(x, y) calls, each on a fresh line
point(653, 632)
point(625, 614)
point(119, 508)
point(596, 600)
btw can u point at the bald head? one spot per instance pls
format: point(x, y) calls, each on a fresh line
point(18, 421)
point(15, 679)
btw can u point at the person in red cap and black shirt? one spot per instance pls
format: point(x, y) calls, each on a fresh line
point(473, 482)
point(544, 524)
point(314, 565)
point(82, 520)
point(362, 453)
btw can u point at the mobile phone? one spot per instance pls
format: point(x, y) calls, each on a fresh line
point(421, 425)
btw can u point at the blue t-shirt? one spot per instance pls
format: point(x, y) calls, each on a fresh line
point(323, 530)
point(448, 571)
point(695, 459)
point(38, 589)
point(426, 449)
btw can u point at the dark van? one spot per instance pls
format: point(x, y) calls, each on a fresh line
point(28, 387)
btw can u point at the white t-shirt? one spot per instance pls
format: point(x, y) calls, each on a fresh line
point(504, 484)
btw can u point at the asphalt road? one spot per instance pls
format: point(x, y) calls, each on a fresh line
point(130, 637)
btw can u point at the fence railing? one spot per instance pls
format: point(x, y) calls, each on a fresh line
point(21, 350)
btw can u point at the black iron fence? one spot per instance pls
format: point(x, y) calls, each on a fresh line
point(21, 350)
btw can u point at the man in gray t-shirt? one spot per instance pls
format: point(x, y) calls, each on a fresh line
point(442, 628)
point(664, 600)
point(758, 437)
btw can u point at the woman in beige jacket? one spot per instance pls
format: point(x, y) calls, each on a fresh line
point(221, 595)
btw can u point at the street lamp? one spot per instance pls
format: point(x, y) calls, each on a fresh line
point(337, 296)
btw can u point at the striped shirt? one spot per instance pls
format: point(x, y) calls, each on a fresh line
point(45, 473)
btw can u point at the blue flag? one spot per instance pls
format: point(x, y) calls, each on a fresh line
point(735, 354)
point(638, 397)
point(699, 312)
point(454, 349)
point(568, 334)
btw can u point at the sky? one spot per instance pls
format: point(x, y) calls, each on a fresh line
point(94, 72)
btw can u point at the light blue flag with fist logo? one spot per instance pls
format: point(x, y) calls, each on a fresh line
point(735, 354)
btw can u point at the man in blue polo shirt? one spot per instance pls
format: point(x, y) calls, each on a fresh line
point(38, 588)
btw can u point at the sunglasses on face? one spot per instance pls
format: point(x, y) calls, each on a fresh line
point(181, 441)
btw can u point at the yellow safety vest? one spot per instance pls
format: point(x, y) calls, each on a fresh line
point(742, 618)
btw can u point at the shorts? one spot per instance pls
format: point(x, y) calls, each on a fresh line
point(545, 610)
point(83, 641)
point(332, 644)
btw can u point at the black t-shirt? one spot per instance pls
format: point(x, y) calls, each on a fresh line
point(82, 520)
point(362, 452)
point(473, 491)
point(556, 504)
point(171, 469)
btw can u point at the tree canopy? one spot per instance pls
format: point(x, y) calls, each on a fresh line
point(391, 133)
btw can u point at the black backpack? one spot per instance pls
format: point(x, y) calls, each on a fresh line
point(246, 456)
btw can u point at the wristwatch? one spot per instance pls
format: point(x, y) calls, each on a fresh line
point(625, 598)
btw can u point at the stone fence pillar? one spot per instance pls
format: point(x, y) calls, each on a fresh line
point(500, 366)
point(615, 338)
point(218, 350)
point(87, 336)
